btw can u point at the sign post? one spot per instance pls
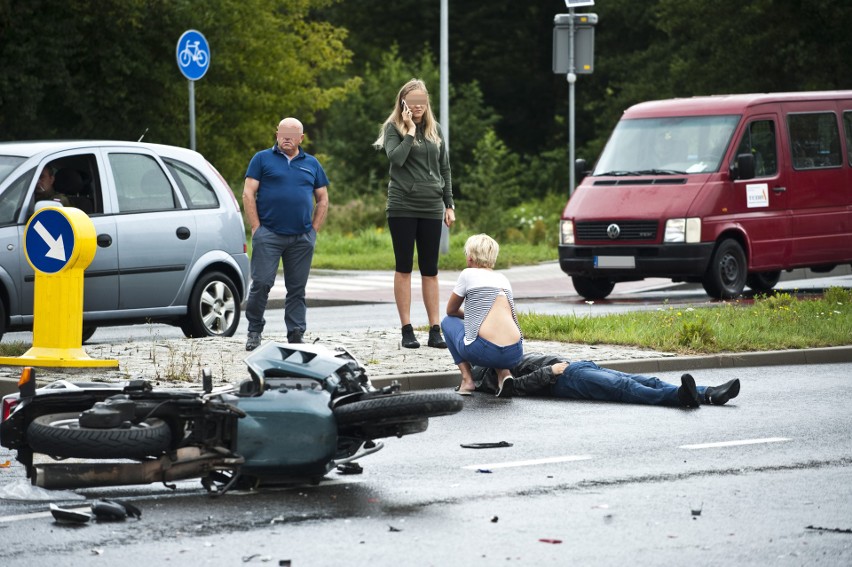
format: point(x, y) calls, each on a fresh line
point(573, 54)
point(59, 243)
point(193, 59)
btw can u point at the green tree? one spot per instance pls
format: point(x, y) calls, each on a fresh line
point(492, 187)
point(107, 69)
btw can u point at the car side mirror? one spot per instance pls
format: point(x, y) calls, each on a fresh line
point(580, 170)
point(744, 167)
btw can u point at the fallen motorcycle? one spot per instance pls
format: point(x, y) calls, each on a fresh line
point(305, 410)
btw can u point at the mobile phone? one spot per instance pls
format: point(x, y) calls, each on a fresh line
point(405, 106)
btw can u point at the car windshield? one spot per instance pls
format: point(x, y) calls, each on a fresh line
point(667, 146)
point(8, 165)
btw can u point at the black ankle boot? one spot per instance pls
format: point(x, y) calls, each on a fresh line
point(687, 394)
point(408, 338)
point(719, 395)
point(435, 338)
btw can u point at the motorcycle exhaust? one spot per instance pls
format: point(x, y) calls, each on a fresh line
point(190, 462)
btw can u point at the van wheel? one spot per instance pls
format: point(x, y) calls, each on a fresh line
point(761, 282)
point(592, 288)
point(2, 319)
point(214, 308)
point(726, 275)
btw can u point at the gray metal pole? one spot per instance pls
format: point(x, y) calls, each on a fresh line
point(192, 115)
point(572, 78)
point(444, 69)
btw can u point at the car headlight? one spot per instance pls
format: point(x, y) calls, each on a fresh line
point(566, 232)
point(683, 230)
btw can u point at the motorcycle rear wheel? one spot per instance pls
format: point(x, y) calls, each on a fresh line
point(397, 408)
point(60, 435)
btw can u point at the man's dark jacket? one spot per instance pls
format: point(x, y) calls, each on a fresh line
point(533, 376)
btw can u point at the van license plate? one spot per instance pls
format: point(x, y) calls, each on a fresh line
point(615, 262)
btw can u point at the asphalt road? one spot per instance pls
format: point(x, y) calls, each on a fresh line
point(601, 484)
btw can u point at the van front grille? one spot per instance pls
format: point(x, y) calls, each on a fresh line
point(627, 230)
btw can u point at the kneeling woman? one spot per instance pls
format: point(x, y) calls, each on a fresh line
point(481, 326)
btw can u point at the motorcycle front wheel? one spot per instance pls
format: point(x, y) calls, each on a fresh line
point(60, 435)
point(393, 410)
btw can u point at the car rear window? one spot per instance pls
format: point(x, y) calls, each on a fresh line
point(197, 191)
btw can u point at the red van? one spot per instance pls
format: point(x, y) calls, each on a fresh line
point(722, 190)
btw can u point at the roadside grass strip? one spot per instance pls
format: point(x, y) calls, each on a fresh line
point(735, 443)
point(530, 463)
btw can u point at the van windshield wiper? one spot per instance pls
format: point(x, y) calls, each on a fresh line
point(617, 173)
point(660, 172)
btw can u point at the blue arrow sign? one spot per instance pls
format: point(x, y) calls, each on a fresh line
point(193, 55)
point(49, 241)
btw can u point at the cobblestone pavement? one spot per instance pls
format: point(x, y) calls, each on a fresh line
point(180, 361)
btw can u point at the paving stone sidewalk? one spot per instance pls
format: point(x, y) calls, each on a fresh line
point(179, 361)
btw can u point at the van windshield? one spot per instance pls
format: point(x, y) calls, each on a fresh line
point(667, 146)
point(8, 165)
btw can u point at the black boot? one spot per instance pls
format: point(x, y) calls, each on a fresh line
point(687, 394)
point(408, 338)
point(719, 395)
point(435, 338)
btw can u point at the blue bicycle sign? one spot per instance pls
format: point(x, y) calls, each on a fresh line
point(193, 55)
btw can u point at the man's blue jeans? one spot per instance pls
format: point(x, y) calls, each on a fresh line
point(297, 252)
point(585, 380)
point(480, 352)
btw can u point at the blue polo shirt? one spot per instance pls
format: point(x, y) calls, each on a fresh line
point(285, 198)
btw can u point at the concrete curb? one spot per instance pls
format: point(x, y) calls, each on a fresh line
point(434, 380)
point(827, 355)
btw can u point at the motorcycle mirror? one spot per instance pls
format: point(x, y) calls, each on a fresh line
point(27, 382)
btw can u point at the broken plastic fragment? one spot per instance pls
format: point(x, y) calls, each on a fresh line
point(496, 445)
point(549, 540)
point(69, 516)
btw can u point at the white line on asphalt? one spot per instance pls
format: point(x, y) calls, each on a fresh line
point(530, 463)
point(735, 443)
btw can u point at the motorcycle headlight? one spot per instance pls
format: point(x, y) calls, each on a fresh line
point(683, 230)
point(566, 232)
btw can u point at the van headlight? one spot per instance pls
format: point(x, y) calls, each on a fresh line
point(683, 230)
point(566, 232)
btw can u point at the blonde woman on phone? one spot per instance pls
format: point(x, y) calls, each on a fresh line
point(420, 198)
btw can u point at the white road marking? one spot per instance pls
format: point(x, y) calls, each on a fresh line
point(530, 463)
point(735, 443)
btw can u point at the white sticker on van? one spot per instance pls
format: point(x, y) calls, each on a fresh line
point(757, 195)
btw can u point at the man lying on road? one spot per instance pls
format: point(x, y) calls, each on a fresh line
point(553, 375)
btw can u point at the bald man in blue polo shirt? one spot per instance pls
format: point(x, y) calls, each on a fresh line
point(286, 202)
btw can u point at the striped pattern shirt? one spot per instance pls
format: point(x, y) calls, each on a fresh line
point(480, 288)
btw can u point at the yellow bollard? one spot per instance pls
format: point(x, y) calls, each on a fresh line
point(60, 243)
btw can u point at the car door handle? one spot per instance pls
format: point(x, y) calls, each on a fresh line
point(104, 240)
point(182, 233)
point(779, 189)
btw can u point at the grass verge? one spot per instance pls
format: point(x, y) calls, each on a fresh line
point(772, 322)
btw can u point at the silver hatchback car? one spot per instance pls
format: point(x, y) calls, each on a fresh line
point(171, 243)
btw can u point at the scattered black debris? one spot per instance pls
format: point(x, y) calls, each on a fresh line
point(494, 519)
point(833, 530)
point(63, 515)
point(114, 510)
point(483, 471)
point(549, 540)
point(393, 529)
point(696, 510)
point(350, 468)
point(286, 562)
point(607, 518)
point(496, 445)
point(247, 558)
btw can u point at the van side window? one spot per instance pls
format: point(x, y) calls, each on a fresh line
point(197, 191)
point(814, 140)
point(140, 184)
point(847, 127)
point(759, 140)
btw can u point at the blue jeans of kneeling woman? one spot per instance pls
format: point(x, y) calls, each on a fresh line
point(585, 380)
point(480, 352)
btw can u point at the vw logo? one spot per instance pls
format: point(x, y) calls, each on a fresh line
point(613, 231)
